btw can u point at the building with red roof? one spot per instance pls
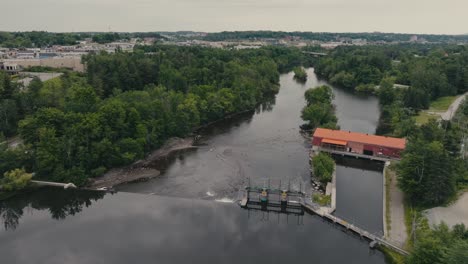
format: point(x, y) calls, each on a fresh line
point(358, 143)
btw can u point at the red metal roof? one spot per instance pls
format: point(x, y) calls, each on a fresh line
point(397, 143)
point(335, 142)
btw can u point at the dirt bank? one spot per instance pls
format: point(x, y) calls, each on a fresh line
point(141, 169)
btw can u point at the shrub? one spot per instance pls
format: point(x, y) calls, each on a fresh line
point(323, 166)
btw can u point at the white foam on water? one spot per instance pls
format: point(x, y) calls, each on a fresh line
point(224, 200)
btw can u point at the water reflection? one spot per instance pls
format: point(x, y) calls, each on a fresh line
point(127, 228)
point(364, 164)
point(57, 202)
point(359, 183)
point(266, 106)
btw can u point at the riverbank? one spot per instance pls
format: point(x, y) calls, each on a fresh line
point(141, 169)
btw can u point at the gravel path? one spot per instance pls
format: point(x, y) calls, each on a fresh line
point(397, 232)
point(451, 215)
point(447, 115)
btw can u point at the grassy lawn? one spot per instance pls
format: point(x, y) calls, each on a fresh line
point(423, 117)
point(442, 104)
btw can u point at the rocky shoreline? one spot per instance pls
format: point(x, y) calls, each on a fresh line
point(141, 169)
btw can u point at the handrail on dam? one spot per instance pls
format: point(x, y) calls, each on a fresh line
point(323, 212)
point(306, 203)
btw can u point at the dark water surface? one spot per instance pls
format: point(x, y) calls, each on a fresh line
point(359, 199)
point(267, 144)
point(260, 145)
point(56, 226)
point(182, 224)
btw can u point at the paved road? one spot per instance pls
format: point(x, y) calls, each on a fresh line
point(453, 108)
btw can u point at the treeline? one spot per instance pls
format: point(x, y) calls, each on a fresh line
point(327, 36)
point(128, 104)
point(430, 71)
point(38, 39)
point(431, 168)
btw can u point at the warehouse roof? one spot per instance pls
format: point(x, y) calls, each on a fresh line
point(340, 135)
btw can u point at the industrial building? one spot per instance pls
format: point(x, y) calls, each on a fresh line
point(358, 143)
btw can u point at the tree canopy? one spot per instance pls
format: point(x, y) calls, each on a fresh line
point(127, 104)
point(319, 111)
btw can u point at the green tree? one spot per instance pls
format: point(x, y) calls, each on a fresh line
point(81, 99)
point(425, 173)
point(320, 94)
point(427, 251)
point(14, 180)
point(8, 117)
point(300, 74)
point(457, 254)
point(387, 94)
point(323, 166)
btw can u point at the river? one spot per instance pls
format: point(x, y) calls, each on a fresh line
point(267, 144)
point(180, 221)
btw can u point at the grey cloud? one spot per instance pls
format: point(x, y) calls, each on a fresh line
point(417, 16)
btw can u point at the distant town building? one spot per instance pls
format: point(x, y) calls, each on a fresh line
point(9, 67)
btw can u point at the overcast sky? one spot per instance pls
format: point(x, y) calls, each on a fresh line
point(406, 16)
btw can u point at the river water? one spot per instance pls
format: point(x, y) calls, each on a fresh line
point(181, 222)
point(55, 226)
point(267, 145)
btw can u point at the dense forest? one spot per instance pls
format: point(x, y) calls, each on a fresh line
point(38, 39)
point(433, 71)
point(407, 78)
point(127, 104)
point(440, 245)
point(328, 36)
